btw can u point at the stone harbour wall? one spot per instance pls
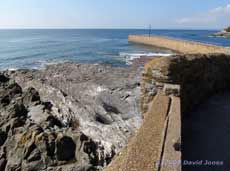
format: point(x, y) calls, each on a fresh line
point(199, 76)
point(170, 87)
point(182, 46)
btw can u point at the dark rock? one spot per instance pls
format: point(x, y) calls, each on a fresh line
point(17, 122)
point(30, 96)
point(90, 148)
point(47, 105)
point(14, 167)
point(50, 147)
point(29, 149)
point(8, 92)
point(97, 159)
point(65, 149)
point(17, 110)
point(110, 109)
point(34, 156)
point(3, 78)
point(83, 138)
point(5, 100)
point(3, 137)
point(38, 165)
point(177, 145)
point(53, 121)
point(103, 119)
point(2, 152)
point(2, 164)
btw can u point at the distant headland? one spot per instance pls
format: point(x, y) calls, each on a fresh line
point(223, 33)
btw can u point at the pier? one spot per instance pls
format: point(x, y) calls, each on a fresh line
point(178, 45)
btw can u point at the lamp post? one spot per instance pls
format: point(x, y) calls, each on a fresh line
point(150, 29)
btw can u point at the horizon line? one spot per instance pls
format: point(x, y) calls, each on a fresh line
point(69, 28)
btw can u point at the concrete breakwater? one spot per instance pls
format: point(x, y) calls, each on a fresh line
point(181, 46)
point(170, 87)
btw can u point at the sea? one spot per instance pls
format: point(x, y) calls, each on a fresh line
point(37, 48)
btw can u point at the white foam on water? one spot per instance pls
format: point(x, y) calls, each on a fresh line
point(42, 64)
point(129, 57)
point(12, 69)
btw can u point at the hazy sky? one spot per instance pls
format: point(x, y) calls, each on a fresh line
point(195, 14)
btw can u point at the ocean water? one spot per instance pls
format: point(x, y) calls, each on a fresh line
point(38, 48)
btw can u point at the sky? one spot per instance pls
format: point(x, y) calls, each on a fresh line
point(161, 14)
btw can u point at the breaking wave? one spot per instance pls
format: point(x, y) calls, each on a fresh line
point(129, 57)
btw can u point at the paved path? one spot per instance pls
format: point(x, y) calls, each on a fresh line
point(206, 135)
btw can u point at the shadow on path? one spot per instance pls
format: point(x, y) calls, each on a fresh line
point(206, 136)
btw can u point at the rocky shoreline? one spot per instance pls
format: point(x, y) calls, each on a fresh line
point(67, 117)
point(221, 34)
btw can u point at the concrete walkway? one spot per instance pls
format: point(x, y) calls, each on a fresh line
point(206, 135)
point(143, 150)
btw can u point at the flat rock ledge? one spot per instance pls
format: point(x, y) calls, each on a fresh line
point(67, 116)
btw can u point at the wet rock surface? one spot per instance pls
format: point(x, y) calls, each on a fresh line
point(67, 116)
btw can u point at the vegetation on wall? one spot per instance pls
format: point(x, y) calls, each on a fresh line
point(227, 29)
